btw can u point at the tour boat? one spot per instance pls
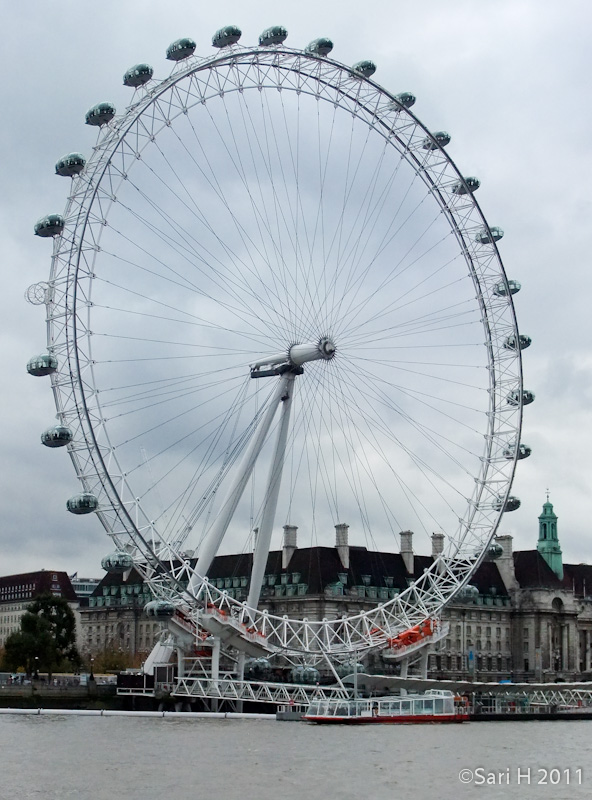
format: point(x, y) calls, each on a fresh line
point(433, 706)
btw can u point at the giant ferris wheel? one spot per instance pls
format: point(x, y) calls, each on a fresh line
point(274, 301)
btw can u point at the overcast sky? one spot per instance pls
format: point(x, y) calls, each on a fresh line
point(509, 79)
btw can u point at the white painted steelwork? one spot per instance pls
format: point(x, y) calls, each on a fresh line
point(76, 295)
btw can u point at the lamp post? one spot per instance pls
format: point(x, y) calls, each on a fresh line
point(36, 674)
point(91, 676)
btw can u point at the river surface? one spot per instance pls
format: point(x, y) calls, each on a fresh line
point(113, 758)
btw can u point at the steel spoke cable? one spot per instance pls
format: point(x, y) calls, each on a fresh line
point(421, 466)
point(278, 211)
point(352, 310)
point(185, 250)
point(234, 449)
point(350, 432)
point(396, 305)
point(340, 400)
point(416, 395)
point(343, 258)
point(240, 171)
point(193, 322)
point(251, 321)
point(176, 389)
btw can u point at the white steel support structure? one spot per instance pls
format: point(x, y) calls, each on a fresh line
point(218, 530)
point(271, 496)
point(100, 462)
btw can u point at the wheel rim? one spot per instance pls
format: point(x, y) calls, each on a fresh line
point(282, 298)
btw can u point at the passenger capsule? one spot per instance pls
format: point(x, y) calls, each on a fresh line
point(58, 436)
point(502, 289)
point(84, 503)
point(489, 235)
point(159, 609)
point(257, 667)
point(180, 49)
point(44, 364)
point(70, 165)
point(523, 342)
point(50, 225)
point(468, 592)
point(277, 34)
point(310, 675)
point(138, 75)
point(523, 451)
point(226, 36)
point(119, 562)
point(406, 99)
point(365, 68)
point(319, 47)
point(514, 398)
point(348, 669)
point(101, 114)
point(495, 551)
point(511, 504)
point(466, 186)
point(441, 140)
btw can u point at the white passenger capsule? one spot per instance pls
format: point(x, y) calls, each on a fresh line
point(70, 165)
point(44, 364)
point(226, 36)
point(466, 186)
point(138, 75)
point(277, 34)
point(50, 225)
point(489, 235)
point(365, 68)
point(100, 115)
point(319, 47)
point(84, 503)
point(180, 49)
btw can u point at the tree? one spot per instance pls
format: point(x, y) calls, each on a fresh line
point(47, 637)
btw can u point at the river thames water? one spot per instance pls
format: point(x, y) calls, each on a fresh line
point(91, 758)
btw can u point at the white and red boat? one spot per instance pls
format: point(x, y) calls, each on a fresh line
point(433, 706)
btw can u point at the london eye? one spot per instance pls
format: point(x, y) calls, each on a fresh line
point(275, 304)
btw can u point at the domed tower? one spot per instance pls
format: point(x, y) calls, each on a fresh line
point(548, 543)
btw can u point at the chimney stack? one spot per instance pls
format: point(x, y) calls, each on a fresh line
point(505, 563)
point(407, 550)
point(342, 544)
point(437, 545)
point(290, 532)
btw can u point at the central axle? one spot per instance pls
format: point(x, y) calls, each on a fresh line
point(294, 358)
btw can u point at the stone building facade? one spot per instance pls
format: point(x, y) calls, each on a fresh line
point(526, 616)
point(113, 618)
point(17, 592)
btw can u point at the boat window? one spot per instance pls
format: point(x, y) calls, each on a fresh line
point(438, 706)
point(405, 706)
point(428, 705)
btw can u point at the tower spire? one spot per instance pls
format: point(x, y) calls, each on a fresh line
point(548, 543)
